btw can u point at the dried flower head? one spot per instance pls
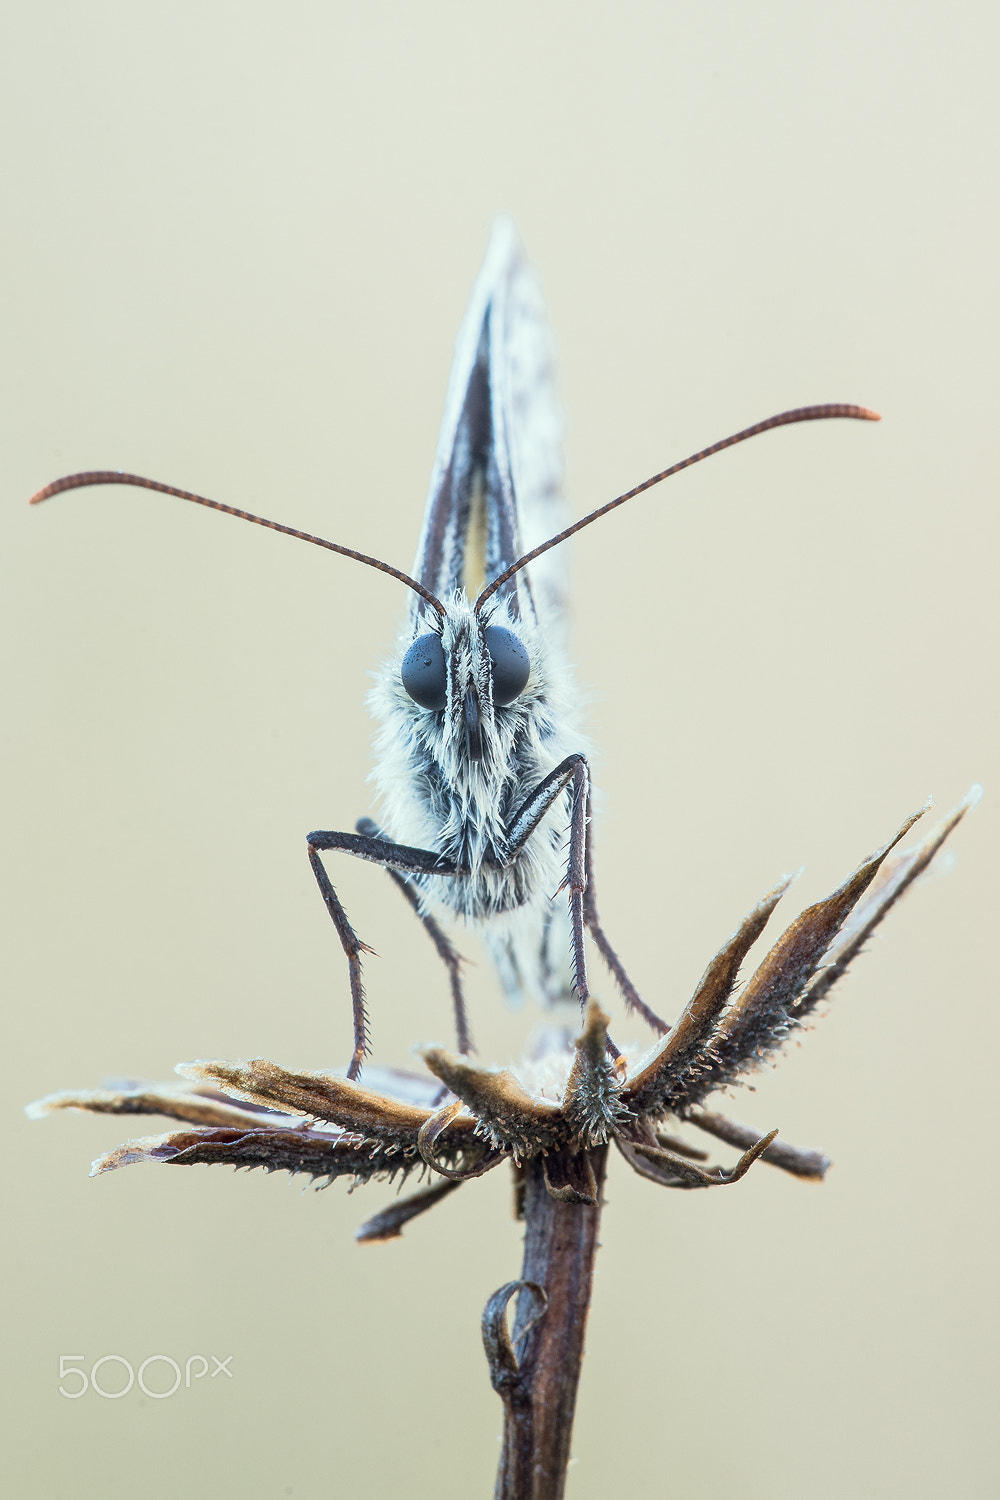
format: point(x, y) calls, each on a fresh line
point(570, 1097)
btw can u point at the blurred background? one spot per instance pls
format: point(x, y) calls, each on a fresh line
point(238, 243)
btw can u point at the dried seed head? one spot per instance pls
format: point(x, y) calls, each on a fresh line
point(259, 1114)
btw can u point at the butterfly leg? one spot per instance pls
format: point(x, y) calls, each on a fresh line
point(631, 996)
point(574, 773)
point(392, 857)
point(448, 954)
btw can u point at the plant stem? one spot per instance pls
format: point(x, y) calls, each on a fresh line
point(539, 1388)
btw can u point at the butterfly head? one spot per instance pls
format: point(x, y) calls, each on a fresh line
point(465, 673)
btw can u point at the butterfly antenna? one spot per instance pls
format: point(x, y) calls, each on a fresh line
point(116, 476)
point(783, 419)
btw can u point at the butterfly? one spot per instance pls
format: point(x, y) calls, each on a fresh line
point(481, 763)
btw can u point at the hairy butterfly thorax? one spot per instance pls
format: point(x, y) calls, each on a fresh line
point(454, 776)
point(482, 775)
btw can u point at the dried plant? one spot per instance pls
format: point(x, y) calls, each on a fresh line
point(552, 1117)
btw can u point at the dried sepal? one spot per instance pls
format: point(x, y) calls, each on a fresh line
point(317, 1096)
point(449, 1147)
point(315, 1153)
point(592, 1097)
point(672, 1170)
point(438, 1122)
point(659, 1168)
point(146, 1099)
point(795, 1159)
point(760, 1018)
point(389, 1223)
point(508, 1115)
point(661, 1079)
point(897, 874)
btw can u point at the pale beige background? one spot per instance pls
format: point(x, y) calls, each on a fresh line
point(238, 240)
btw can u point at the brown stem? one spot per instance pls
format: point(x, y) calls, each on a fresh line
point(537, 1370)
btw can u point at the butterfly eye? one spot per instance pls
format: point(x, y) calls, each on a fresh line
point(423, 672)
point(511, 664)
